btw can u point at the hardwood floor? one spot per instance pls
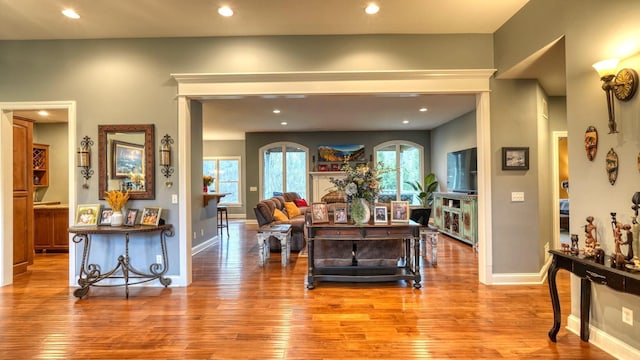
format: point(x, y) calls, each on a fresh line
point(237, 310)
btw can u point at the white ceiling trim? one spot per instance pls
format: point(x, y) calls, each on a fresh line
point(357, 82)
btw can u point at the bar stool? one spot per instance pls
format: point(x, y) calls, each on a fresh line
point(222, 211)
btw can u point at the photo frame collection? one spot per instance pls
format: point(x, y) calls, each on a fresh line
point(96, 215)
point(319, 213)
point(340, 213)
point(380, 215)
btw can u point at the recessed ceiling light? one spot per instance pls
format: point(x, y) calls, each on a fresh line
point(405, 121)
point(372, 9)
point(225, 11)
point(283, 123)
point(423, 109)
point(70, 13)
point(276, 111)
point(43, 113)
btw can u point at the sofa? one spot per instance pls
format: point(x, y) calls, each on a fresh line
point(265, 209)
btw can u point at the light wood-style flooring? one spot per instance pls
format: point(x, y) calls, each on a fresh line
point(237, 310)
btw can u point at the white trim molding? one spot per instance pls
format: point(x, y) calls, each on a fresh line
point(445, 81)
point(609, 344)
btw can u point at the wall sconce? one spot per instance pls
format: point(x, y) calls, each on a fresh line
point(84, 160)
point(165, 158)
point(622, 85)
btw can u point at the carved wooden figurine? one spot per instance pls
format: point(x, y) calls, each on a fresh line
point(590, 233)
point(575, 250)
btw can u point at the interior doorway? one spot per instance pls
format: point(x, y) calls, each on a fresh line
point(6, 187)
point(560, 186)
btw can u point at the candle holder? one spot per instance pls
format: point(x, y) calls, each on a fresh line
point(84, 160)
point(165, 158)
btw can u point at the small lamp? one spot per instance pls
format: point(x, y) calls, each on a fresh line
point(84, 160)
point(622, 85)
point(165, 158)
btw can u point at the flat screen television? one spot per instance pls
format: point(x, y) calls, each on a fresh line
point(462, 171)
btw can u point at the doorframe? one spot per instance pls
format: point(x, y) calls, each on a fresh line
point(555, 174)
point(199, 86)
point(6, 182)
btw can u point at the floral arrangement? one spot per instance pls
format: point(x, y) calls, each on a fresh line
point(207, 180)
point(361, 181)
point(116, 199)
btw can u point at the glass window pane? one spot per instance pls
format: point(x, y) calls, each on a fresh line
point(409, 173)
point(296, 171)
point(388, 180)
point(272, 169)
point(232, 189)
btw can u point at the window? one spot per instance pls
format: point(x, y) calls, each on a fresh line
point(284, 168)
point(408, 159)
point(226, 174)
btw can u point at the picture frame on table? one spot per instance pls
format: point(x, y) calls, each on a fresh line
point(105, 216)
point(399, 211)
point(515, 158)
point(380, 215)
point(150, 215)
point(319, 213)
point(130, 219)
point(340, 213)
point(87, 214)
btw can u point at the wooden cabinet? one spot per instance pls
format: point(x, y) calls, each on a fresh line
point(457, 216)
point(40, 165)
point(51, 223)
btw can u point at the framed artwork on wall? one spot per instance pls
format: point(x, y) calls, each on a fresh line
point(515, 158)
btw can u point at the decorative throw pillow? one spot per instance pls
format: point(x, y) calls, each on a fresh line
point(334, 197)
point(278, 215)
point(300, 202)
point(292, 209)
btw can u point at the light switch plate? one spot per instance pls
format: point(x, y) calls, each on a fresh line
point(253, 188)
point(174, 198)
point(517, 196)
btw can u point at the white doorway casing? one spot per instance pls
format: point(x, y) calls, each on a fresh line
point(476, 81)
point(6, 181)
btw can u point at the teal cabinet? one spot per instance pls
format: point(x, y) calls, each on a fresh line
point(456, 215)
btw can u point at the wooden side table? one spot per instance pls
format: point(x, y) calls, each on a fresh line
point(280, 231)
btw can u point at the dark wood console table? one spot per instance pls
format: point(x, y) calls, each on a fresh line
point(406, 234)
point(91, 274)
point(589, 271)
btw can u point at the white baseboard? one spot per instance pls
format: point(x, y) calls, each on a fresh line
point(202, 246)
point(609, 344)
point(522, 278)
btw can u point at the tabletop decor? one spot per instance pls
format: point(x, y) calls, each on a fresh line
point(207, 180)
point(361, 185)
point(116, 199)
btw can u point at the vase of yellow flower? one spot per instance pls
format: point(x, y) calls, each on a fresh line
point(207, 180)
point(116, 199)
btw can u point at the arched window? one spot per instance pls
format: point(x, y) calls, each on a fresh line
point(408, 159)
point(283, 168)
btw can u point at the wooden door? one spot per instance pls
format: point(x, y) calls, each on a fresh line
point(22, 195)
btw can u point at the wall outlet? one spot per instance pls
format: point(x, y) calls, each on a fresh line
point(158, 259)
point(627, 316)
point(174, 198)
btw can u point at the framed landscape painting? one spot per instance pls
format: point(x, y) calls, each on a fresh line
point(127, 158)
point(340, 153)
point(515, 158)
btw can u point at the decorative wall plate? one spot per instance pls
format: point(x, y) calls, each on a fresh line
point(628, 84)
point(612, 166)
point(591, 142)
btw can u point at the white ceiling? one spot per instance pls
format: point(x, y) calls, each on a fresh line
point(230, 118)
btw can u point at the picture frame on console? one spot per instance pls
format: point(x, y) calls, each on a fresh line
point(130, 219)
point(399, 211)
point(87, 214)
point(340, 213)
point(151, 215)
point(105, 216)
point(319, 213)
point(380, 215)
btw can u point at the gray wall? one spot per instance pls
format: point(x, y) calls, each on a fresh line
point(54, 135)
point(231, 148)
point(455, 135)
point(254, 141)
point(595, 30)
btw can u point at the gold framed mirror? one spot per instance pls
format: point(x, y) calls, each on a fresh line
point(126, 160)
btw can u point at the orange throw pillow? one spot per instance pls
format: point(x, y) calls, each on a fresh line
point(278, 215)
point(292, 209)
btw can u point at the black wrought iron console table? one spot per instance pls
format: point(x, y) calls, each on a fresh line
point(589, 271)
point(91, 274)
